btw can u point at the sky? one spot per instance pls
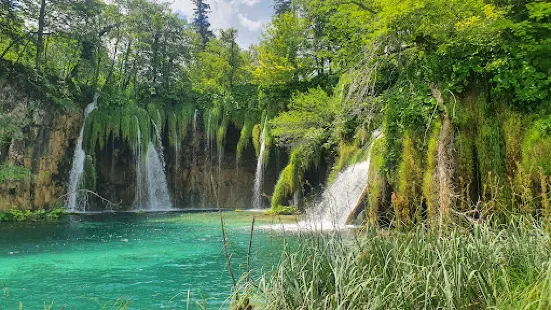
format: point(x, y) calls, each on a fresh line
point(249, 17)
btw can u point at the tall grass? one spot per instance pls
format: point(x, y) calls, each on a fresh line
point(481, 267)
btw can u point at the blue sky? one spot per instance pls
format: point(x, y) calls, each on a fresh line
point(248, 16)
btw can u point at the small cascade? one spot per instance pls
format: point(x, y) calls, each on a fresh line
point(77, 170)
point(139, 200)
point(158, 197)
point(159, 143)
point(259, 175)
point(340, 198)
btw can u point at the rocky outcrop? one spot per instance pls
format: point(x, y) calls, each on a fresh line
point(40, 141)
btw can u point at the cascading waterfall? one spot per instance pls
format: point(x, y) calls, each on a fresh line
point(259, 175)
point(157, 188)
point(139, 200)
point(340, 198)
point(77, 170)
point(159, 143)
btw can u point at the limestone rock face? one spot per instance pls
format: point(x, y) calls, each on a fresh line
point(200, 174)
point(41, 143)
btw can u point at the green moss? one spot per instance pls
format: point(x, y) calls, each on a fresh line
point(430, 184)
point(244, 137)
point(284, 188)
point(465, 167)
point(90, 175)
point(185, 119)
point(376, 179)
point(172, 124)
point(11, 172)
point(512, 131)
point(221, 132)
point(346, 151)
point(283, 210)
point(408, 198)
point(536, 148)
point(256, 132)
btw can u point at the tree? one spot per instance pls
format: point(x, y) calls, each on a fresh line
point(201, 20)
point(282, 6)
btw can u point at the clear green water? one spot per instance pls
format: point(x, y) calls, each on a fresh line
point(152, 260)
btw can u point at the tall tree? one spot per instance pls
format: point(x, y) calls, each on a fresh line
point(282, 6)
point(201, 20)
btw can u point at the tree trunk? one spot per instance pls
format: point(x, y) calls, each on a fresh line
point(445, 162)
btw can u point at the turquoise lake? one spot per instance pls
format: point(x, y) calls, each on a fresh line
point(150, 260)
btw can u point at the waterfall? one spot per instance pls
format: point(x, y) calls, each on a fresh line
point(75, 177)
point(259, 175)
point(340, 198)
point(157, 188)
point(159, 143)
point(139, 177)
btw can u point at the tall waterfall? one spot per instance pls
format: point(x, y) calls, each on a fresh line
point(151, 186)
point(139, 199)
point(341, 197)
point(157, 188)
point(159, 143)
point(259, 175)
point(75, 177)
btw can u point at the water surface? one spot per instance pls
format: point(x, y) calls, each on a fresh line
point(85, 262)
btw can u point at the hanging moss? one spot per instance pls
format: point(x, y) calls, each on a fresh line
point(376, 179)
point(465, 167)
point(283, 189)
point(90, 175)
point(184, 116)
point(430, 180)
point(157, 115)
point(221, 132)
point(408, 197)
point(256, 132)
point(172, 124)
point(245, 136)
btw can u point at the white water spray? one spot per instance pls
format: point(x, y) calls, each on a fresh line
point(159, 143)
point(75, 177)
point(339, 199)
point(139, 199)
point(157, 188)
point(259, 175)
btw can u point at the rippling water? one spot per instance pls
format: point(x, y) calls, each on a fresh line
point(152, 260)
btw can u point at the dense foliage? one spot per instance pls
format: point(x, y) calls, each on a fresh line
point(460, 89)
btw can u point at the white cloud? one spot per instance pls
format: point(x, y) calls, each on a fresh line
point(250, 2)
point(251, 25)
point(233, 13)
